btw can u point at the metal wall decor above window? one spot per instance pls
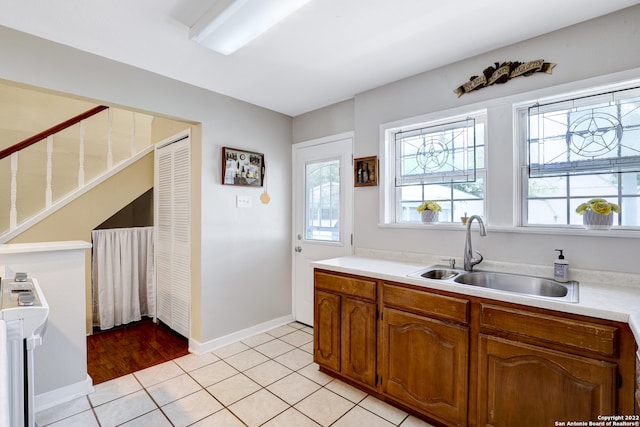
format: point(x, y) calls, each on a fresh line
point(588, 135)
point(444, 153)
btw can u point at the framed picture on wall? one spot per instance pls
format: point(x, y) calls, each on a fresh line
point(241, 167)
point(365, 171)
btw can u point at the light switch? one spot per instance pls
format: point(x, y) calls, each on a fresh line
point(244, 202)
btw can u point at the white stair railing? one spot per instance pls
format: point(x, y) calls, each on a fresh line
point(48, 165)
point(13, 211)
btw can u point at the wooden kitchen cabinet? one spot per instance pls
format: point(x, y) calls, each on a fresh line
point(424, 352)
point(521, 384)
point(425, 364)
point(326, 330)
point(345, 329)
point(359, 342)
point(637, 395)
point(461, 360)
point(543, 358)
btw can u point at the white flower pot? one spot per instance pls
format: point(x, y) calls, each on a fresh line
point(595, 221)
point(429, 216)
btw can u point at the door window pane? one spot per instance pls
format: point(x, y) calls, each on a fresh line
point(322, 207)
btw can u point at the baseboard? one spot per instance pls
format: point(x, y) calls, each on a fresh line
point(63, 394)
point(207, 347)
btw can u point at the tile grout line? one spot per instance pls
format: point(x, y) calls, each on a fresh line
point(261, 387)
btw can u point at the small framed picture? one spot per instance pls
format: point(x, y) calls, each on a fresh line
point(241, 167)
point(365, 171)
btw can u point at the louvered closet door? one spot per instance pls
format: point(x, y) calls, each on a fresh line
point(173, 230)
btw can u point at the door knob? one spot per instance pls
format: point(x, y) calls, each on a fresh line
point(298, 249)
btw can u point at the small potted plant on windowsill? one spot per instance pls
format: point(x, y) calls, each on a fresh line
point(429, 211)
point(464, 219)
point(597, 214)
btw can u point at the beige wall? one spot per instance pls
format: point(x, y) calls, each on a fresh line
point(25, 112)
point(76, 220)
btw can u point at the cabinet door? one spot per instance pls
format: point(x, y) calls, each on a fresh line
point(359, 340)
point(173, 234)
point(327, 330)
point(425, 364)
point(522, 384)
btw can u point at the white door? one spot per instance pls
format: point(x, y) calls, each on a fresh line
point(172, 220)
point(323, 210)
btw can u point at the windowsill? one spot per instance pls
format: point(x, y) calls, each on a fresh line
point(573, 231)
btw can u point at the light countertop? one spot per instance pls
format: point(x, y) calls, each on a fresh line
point(617, 300)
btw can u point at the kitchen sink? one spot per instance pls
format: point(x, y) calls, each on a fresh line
point(505, 282)
point(527, 285)
point(439, 274)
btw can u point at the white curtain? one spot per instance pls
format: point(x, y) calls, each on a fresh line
point(122, 276)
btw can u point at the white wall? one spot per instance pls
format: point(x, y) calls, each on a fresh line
point(332, 120)
point(245, 254)
point(60, 363)
point(595, 52)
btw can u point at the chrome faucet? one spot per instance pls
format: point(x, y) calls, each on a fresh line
point(469, 260)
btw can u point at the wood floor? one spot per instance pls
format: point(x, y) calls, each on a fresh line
point(123, 350)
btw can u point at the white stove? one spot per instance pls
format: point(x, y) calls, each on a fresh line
point(23, 319)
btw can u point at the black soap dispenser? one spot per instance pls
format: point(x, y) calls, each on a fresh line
point(561, 268)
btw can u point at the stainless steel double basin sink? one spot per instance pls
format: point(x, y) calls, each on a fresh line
point(532, 286)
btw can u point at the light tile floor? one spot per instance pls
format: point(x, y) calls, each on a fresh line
point(266, 380)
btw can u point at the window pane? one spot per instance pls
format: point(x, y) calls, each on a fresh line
point(586, 135)
point(468, 208)
point(322, 209)
point(594, 185)
point(548, 187)
point(630, 183)
point(630, 211)
point(547, 211)
point(455, 198)
point(585, 147)
point(436, 153)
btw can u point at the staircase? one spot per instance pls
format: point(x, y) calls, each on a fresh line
point(46, 172)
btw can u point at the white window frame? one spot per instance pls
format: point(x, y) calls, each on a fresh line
point(387, 159)
point(520, 123)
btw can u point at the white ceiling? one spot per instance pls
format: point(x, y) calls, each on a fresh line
point(326, 52)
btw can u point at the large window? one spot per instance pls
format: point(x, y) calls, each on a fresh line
point(578, 149)
point(442, 161)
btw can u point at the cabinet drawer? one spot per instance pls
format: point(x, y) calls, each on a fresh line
point(570, 333)
point(426, 303)
point(358, 287)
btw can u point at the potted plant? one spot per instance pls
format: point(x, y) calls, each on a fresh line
point(464, 219)
point(429, 211)
point(597, 214)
